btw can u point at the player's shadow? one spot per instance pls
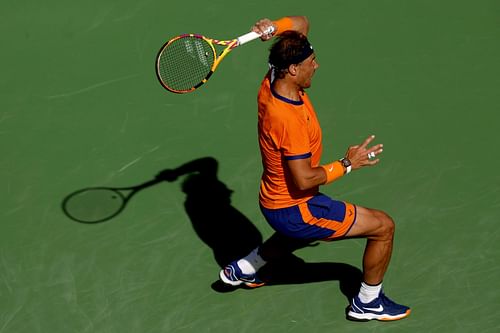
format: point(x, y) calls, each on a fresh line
point(225, 230)
point(231, 235)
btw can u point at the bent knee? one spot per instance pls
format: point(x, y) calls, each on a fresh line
point(387, 226)
point(374, 224)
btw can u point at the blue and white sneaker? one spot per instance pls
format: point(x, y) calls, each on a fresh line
point(232, 275)
point(381, 308)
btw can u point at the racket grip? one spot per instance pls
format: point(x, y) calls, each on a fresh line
point(253, 35)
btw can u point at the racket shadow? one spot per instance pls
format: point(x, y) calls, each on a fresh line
point(94, 205)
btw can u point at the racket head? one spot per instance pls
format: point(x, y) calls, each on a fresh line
point(94, 204)
point(185, 62)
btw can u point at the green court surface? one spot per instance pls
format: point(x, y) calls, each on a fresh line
point(80, 106)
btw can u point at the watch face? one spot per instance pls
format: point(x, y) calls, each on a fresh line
point(345, 162)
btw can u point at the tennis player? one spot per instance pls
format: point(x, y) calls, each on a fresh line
point(290, 145)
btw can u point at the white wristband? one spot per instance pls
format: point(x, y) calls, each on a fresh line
point(348, 169)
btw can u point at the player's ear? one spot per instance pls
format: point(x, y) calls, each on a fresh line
point(292, 69)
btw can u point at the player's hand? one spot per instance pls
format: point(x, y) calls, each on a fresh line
point(262, 26)
point(362, 155)
point(168, 175)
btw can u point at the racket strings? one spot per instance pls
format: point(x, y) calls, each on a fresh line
point(185, 62)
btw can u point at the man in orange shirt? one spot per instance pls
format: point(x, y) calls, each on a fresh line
point(290, 145)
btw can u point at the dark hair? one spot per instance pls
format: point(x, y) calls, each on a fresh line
point(290, 47)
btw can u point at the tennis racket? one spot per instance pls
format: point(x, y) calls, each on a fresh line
point(187, 61)
point(99, 204)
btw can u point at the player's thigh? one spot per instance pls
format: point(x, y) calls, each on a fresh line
point(371, 223)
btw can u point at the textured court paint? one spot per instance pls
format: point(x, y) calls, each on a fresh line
point(80, 107)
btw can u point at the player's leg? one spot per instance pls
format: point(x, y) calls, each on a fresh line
point(371, 303)
point(292, 232)
point(278, 245)
point(244, 270)
point(378, 228)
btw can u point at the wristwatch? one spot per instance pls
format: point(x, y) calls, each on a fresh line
point(347, 165)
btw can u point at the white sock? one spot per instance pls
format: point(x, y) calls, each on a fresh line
point(368, 293)
point(251, 263)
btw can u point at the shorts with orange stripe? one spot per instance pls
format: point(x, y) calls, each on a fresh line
point(320, 218)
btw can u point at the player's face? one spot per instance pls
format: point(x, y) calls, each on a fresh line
point(306, 71)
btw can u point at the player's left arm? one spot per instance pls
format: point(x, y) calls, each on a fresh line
point(304, 176)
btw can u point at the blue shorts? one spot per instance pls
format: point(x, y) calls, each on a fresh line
point(320, 218)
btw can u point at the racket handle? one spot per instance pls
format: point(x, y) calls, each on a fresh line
point(253, 35)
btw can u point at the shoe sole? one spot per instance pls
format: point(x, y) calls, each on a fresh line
point(372, 316)
point(224, 279)
point(253, 284)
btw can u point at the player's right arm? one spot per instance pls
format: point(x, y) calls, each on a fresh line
point(296, 23)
